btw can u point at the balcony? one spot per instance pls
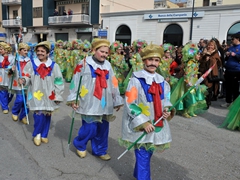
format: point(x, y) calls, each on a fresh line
point(11, 2)
point(11, 23)
point(76, 19)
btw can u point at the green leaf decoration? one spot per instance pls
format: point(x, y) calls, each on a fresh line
point(58, 81)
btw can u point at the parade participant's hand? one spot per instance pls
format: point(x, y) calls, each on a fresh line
point(117, 108)
point(21, 81)
point(13, 67)
point(149, 128)
point(166, 114)
point(75, 106)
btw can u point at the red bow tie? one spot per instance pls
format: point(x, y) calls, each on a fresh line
point(22, 65)
point(100, 83)
point(156, 90)
point(5, 62)
point(43, 70)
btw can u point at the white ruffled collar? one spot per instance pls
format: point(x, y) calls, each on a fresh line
point(105, 66)
point(47, 63)
point(22, 59)
point(149, 78)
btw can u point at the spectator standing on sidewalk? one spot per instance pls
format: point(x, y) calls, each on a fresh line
point(232, 73)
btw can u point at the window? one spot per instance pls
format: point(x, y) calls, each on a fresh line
point(15, 14)
point(61, 9)
point(206, 2)
point(85, 8)
point(214, 3)
point(37, 12)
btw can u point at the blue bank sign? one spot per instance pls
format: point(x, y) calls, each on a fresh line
point(102, 33)
point(174, 15)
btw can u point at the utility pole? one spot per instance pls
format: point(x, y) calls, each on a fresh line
point(191, 27)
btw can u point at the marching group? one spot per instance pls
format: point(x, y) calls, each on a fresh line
point(152, 78)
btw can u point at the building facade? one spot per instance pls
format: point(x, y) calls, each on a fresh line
point(36, 20)
point(173, 25)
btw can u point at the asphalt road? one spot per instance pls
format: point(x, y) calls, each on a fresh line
point(199, 150)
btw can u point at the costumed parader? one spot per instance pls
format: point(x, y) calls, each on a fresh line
point(45, 86)
point(119, 65)
point(146, 100)
point(67, 46)
point(165, 63)
point(7, 60)
point(59, 55)
point(18, 109)
point(99, 95)
point(86, 49)
point(70, 55)
point(232, 121)
point(135, 61)
point(194, 103)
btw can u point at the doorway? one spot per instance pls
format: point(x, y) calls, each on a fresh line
point(173, 34)
point(123, 34)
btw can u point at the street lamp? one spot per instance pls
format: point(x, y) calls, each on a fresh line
point(191, 27)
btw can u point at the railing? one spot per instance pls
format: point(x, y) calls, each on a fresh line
point(7, 2)
point(12, 23)
point(69, 19)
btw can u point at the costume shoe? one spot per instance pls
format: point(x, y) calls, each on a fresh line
point(105, 157)
point(37, 140)
point(5, 111)
point(14, 117)
point(24, 120)
point(82, 154)
point(44, 140)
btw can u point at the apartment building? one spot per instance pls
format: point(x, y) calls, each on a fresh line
point(37, 22)
point(200, 3)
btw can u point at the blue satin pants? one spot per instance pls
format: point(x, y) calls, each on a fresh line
point(41, 124)
point(142, 170)
point(97, 133)
point(18, 106)
point(5, 99)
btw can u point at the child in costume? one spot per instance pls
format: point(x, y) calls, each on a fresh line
point(194, 102)
point(232, 120)
point(99, 95)
point(18, 106)
point(45, 85)
point(6, 62)
point(147, 99)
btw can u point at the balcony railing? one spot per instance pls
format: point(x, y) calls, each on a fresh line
point(12, 23)
point(11, 2)
point(69, 19)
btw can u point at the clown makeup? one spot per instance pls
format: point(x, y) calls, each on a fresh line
point(42, 54)
point(23, 52)
point(101, 53)
point(151, 64)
